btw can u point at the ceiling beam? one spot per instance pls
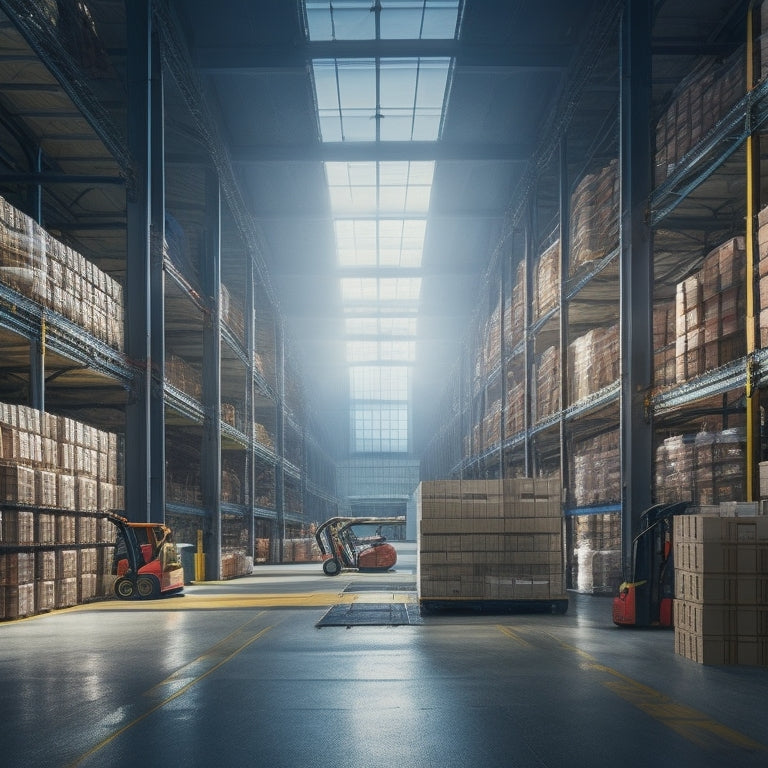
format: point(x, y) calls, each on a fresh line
point(280, 58)
point(360, 151)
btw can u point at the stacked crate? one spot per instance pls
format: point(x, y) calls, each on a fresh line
point(490, 540)
point(689, 328)
point(516, 326)
point(594, 217)
point(702, 98)
point(593, 362)
point(596, 470)
point(515, 415)
point(762, 268)
point(56, 476)
point(664, 344)
point(596, 560)
point(724, 303)
point(56, 276)
point(721, 589)
point(675, 461)
point(547, 383)
point(546, 287)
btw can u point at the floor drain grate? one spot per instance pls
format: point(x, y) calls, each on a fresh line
point(370, 614)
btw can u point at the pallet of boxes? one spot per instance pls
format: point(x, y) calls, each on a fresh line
point(491, 544)
point(721, 585)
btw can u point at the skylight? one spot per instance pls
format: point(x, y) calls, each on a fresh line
point(397, 20)
point(380, 208)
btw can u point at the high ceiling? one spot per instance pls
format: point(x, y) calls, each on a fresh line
point(523, 74)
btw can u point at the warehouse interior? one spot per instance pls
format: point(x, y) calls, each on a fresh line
point(263, 264)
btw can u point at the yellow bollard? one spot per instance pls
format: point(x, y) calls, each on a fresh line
point(199, 558)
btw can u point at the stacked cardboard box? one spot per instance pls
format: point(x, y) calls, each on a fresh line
point(492, 340)
point(515, 416)
point(596, 567)
point(490, 540)
point(675, 458)
point(54, 275)
point(516, 327)
point(664, 344)
point(593, 362)
point(546, 288)
point(689, 324)
point(594, 217)
point(492, 424)
point(721, 589)
point(701, 99)
point(596, 470)
point(184, 376)
point(547, 383)
point(56, 476)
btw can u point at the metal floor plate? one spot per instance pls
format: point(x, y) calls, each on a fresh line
point(371, 614)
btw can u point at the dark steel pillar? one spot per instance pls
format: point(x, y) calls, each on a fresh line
point(37, 345)
point(250, 415)
point(636, 268)
point(564, 204)
point(157, 288)
point(211, 447)
point(528, 360)
point(279, 445)
point(137, 290)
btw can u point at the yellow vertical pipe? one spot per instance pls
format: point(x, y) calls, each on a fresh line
point(752, 396)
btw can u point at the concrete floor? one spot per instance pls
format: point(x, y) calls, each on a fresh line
point(237, 673)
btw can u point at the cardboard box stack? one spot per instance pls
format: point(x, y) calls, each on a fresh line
point(596, 553)
point(547, 383)
point(546, 284)
point(515, 415)
point(596, 470)
point(595, 217)
point(184, 376)
point(664, 344)
point(710, 313)
point(56, 276)
point(492, 424)
point(56, 476)
point(490, 540)
point(593, 362)
point(516, 327)
point(705, 468)
point(701, 99)
point(721, 588)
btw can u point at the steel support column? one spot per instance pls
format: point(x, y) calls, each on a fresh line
point(530, 258)
point(564, 204)
point(277, 547)
point(250, 414)
point(211, 447)
point(137, 282)
point(37, 345)
point(636, 268)
point(157, 287)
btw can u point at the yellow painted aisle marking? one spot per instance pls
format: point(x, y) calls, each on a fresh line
point(509, 633)
point(685, 721)
point(198, 602)
point(184, 678)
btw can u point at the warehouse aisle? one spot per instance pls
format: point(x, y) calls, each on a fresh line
point(237, 673)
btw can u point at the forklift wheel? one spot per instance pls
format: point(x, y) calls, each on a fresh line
point(125, 589)
point(148, 587)
point(331, 567)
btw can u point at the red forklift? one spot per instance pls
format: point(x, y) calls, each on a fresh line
point(342, 549)
point(145, 561)
point(646, 599)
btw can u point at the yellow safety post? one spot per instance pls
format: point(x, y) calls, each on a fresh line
point(752, 392)
point(199, 558)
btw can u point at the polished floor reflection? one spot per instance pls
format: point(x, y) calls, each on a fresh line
point(238, 673)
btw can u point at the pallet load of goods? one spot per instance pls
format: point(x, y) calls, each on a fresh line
point(57, 479)
point(491, 543)
point(721, 586)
